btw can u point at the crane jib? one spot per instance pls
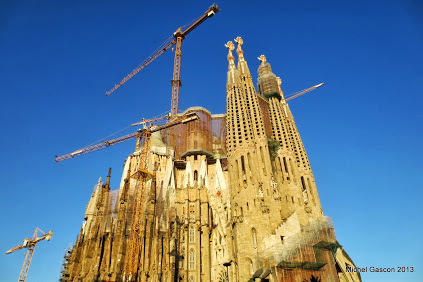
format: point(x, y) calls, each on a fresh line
point(210, 12)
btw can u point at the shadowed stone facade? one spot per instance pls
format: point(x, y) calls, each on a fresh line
point(231, 194)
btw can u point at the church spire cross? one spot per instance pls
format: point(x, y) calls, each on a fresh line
point(108, 178)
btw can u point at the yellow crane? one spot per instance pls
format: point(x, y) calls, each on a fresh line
point(147, 129)
point(30, 245)
point(141, 175)
point(177, 38)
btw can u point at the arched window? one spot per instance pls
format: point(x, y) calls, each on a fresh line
point(254, 234)
point(195, 175)
point(191, 259)
point(250, 266)
point(191, 279)
point(191, 234)
point(303, 183)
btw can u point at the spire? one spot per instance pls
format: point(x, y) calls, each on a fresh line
point(249, 92)
point(233, 77)
point(267, 82)
point(243, 70)
point(239, 51)
point(236, 106)
point(108, 178)
point(231, 58)
point(279, 81)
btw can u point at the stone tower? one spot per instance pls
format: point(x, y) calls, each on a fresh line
point(232, 197)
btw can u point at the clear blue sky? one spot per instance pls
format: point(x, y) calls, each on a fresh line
point(362, 131)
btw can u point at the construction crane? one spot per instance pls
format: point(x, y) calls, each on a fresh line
point(142, 175)
point(178, 37)
point(147, 127)
point(295, 95)
point(30, 245)
point(144, 122)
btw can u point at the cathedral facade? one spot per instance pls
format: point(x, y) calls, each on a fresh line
point(231, 197)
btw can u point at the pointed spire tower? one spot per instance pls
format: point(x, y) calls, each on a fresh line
point(250, 169)
point(250, 93)
point(292, 165)
point(236, 108)
point(246, 139)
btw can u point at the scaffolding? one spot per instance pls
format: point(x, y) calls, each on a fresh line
point(304, 254)
point(204, 136)
point(66, 257)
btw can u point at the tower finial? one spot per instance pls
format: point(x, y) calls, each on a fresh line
point(239, 50)
point(262, 59)
point(279, 81)
point(231, 58)
point(108, 177)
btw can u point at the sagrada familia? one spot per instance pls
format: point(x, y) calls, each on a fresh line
point(232, 198)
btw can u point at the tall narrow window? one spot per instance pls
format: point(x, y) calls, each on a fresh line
point(191, 234)
point(242, 164)
point(303, 183)
point(254, 233)
point(262, 159)
point(191, 259)
point(195, 175)
point(250, 262)
point(249, 164)
point(285, 165)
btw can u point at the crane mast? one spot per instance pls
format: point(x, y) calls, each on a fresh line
point(142, 175)
point(30, 245)
point(179, 36)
